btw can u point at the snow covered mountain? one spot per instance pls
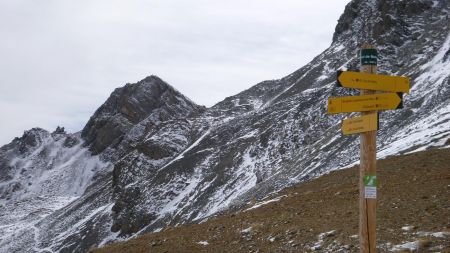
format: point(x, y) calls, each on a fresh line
point(149, 157)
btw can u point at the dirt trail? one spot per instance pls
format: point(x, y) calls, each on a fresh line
point(413, 206)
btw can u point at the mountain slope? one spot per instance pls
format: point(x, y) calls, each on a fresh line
point(251, 147)
point(321, 215)
point(54, 190)
point(155, 158)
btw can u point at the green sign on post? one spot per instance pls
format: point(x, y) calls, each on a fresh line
point(370, 181)
point(369, 56)
point(370, 186)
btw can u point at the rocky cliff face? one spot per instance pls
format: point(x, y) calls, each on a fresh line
point(155, 158)
point(151, 100)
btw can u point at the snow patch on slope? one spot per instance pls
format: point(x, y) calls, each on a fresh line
point(435, 71)
point(53, 170)
point(45, 180)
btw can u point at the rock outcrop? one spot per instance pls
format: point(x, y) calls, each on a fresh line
point(129, 105)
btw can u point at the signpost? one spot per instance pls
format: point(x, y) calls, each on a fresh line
point(359, 80)
point(364, 103)
point(368, 166)
point(368, 103)
point(369, 56)
point(360, 124)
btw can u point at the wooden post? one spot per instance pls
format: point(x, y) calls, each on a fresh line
point(368, 162)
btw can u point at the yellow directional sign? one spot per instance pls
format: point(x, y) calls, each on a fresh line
point(360, 124)
point(373, 102)
point(359, 80)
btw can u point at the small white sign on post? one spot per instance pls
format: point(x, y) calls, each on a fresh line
point(370, 192)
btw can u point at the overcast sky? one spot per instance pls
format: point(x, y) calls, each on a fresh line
point(60, 59)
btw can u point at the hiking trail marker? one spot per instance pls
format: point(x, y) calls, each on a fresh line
point(360, 124)
point(359, 80)
point(368, 103)
point(364, 103)
point(370, 187)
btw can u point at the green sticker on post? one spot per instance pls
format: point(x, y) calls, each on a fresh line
point(370, 180)
point(369, 56)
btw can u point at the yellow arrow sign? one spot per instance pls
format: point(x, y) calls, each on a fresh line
point(358, 80)
point(360, 124)
point(373, 102)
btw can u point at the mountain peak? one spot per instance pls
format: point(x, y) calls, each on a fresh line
point(151, 78)
point(384, 21)
point(130, 104)
point(30, 139)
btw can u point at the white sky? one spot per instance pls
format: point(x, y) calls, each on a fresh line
point(60, 59)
